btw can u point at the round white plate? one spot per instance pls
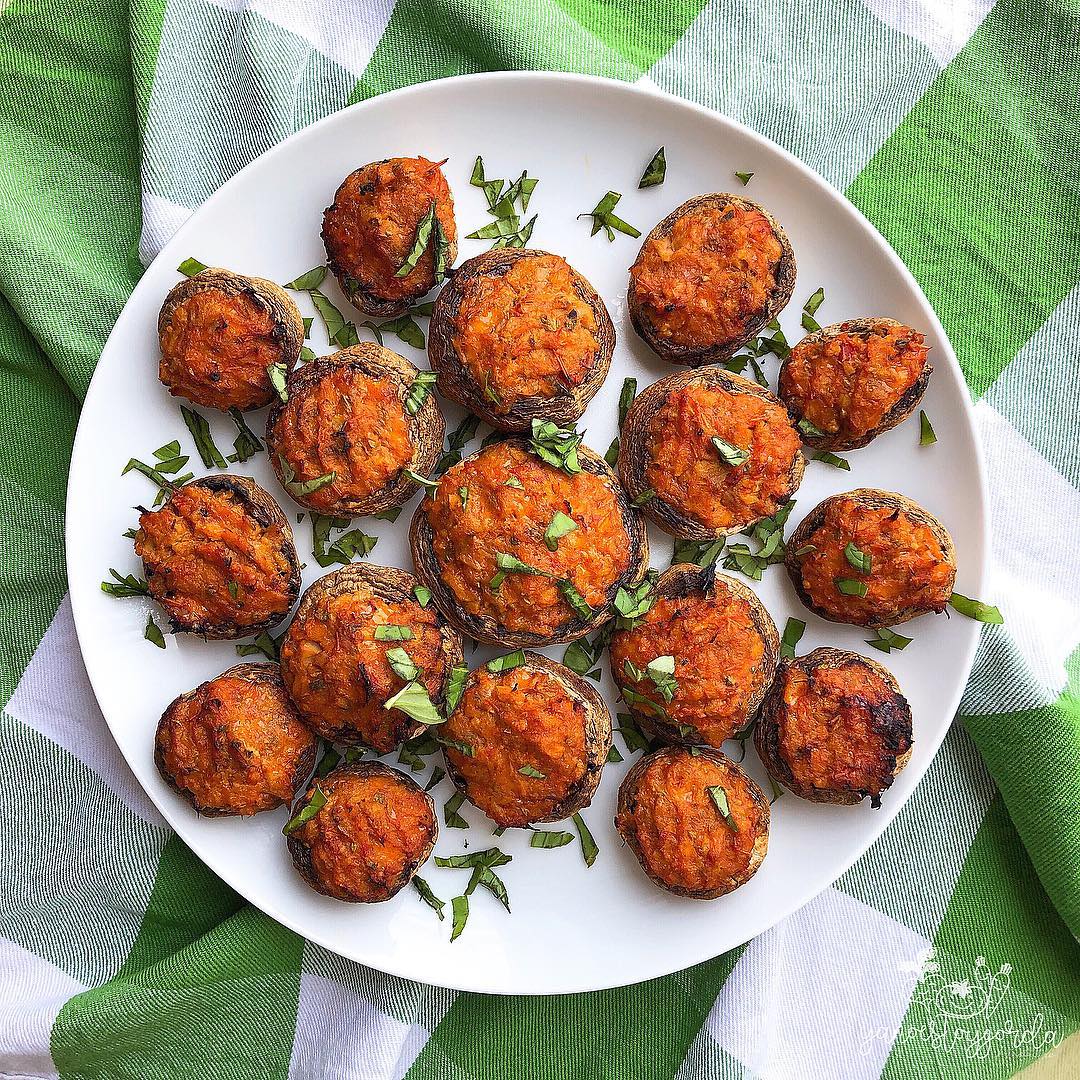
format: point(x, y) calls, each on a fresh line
point(572, 928)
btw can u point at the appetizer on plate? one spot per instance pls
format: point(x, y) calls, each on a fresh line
point(390, 234)
point(872, 558)
point(360, 645)
point(517, 550)
point(219, 333)
point(707, 453)
point(695, 668)
point(697, 823)
point(527, 742)
point(846, 384)
point(834, 727)
point(518, 335)
point(220, 558)
point(235, 744)
point(352, 424)
point(708, 278)
point(361, 832)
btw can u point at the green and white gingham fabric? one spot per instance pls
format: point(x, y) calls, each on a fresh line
point(949, 950)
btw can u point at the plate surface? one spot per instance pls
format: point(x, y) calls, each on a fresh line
point(572, 928)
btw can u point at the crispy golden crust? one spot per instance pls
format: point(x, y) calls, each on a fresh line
point(337, 672)
point(235, 744)
point(860, 394)
point(725, 647)
point(375, 831)
point(223, 365)
point(484, 627)
point(913, 558)
point(834, 728)
point(764, 294)
point(533, 334)
point(539, 716)
point(704, 485)
point(190, 558)
point(346, 414)
point(669, 820)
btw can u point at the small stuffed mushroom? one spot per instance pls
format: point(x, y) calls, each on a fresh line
point(527, 744)
point(871, 558)
point(697, 823)
point(361, 832)
point(846, 384)
point(352, 424)
point(708, 278)
point(220, 331)
point(834, 728)
point(359, 636)
point(695, 668)
point(517, 552)
point(219, 558)
point(519, 335)
point(707, 453)
point(235, 744)
point(372, 227)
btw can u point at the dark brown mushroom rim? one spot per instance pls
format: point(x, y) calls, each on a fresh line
point(903, 408)
point(628, 805)
point(301, 853)
point(485, 629)
point(597, 735)
point(457, 383)
point(249, 673)
point(686, 579)
point(891, 720)
point(634, 452)
point(288, 330)
point(427, 427)
point(872, 499)
point(776, 301)
point(260, 505)
point(395, 586)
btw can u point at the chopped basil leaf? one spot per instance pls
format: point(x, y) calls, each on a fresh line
point(436, 775)
point(582, 608)
point(646, 496)
point(506, 663)
point(424, 229)
point(423, 595)
point(328, 761)
point(414, 701)
point(976, 609)
point(851, 587)
point(531, 770)
point(511, 564)
point(603, 218)
point(858, 559)
point(450, 812)
point(833, 460)
point(815, 301)
point(278, 374)
point(455, 687)
point(423, 481)
point(589, 850)
point(402, 664)
point(246, 444)
point(613, 754)
point(793, 633)
point(307, 320)
point(611, 455)
point(769, 533)
point(332, 319)
point(626, 399)
point(454, 744)
point(578, 658)
point(131, 534)
point(487, 859)
point(634, 603)
point(811, 431)
point(345, 548)
point(632, 697)
point(419, 391)
point(545, 838)
point(191, 267)
point(460, 909)
point(810, 324)
point(514, 482)
point(429, 898)
point(555, 445)
point(264, 644)
point(477, 178)
point(703, 554)
point(745, 177)
point(306, 355)
point(163, 482)
point(729, 453)
point(631, 733)
point(307, 811)
point(168, 451)
point(125, 585)
point(885, 640)
point(560, 525)
point(720, 801)
point(805, 550)
point(455, 443)
point(153, 632)
point(926, 430)
point(463, 494)
point(662, 672)
point(306, 282)
point(388, 515)
point(655, 171)
point(391, 632)
point(199, 427)
point(404, 327)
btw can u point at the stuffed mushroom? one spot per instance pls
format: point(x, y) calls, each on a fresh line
point(361, 832)
point(697, 823)
point(379, 216)
point(219, 558)
point(871, 558)
point(707, 453)
point(708, 278)
point(518, 335)
point(219, 334)
point(846, 384)
point(352, 424)
point(834, 728)
point(235, 744)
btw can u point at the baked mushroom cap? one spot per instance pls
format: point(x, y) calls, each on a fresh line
point(338, 671)
point(723, 648)
point(539, 736)
point(912, 559)
point(371, 227)
point(709, 277)
point(689, 839)
point(235, 744)
point(375, 829)
point(509, 513)
point(215, 585)
point(348, 414)
point(541, 334)
point(677, 476)
point(834, 728)
point(219, 331)
point(854, 380)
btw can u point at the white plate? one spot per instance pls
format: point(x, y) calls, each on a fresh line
point(572, 928)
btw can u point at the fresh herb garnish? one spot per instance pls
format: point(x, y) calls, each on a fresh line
point(811, 431)
point(589, 850)
point(631, 733)
point(720, 801)
point(661, 671)
point(885, 640)
point(125, 585)
point(307, 811)
point(858, 559)
point(424, 229)
point(644, 497)
point(455, 744)
point(402, 664)
point(513, 482)
point(560, 525)
point(582, 608)
point(191, 267)
point(264, 645)
point(463, 495)
point(769, 533)
point(976, 609)
point(455, 687)
point(306, 282)
point(511, 564)
point(626, 399)
point(459, 907)
point(419, 390)
point(199, 427)
point(546, 838)
point(533, 771)
point(455, 443)
point(745, 177)
point(388, 515)
point(603, 218)
point(436, 775)
point(809, 323)
point(415, 702)
point(833, 460)
point(429, 898)
point(345, 548)
point(153, 632)
point(655, 171)
point(555, 445)
point(246, 444)
point(300, 488)
point(927, 437)
point(578, 656)
point(450, 812)
point(423, 595)
point(613, 754)
point(634, 603)
point(329, 760)
point(423, 481)
point(505, 663)
point(793, 633)
point(506, 230)
point(482, 864)
point(729, 453)
point(703, 554)
point(278, 375)
point(611, 454)
point(166, 485)
point(393, 632)
point(851, 587)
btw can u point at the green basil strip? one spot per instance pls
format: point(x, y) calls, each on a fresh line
point(793, 633)
point(307, 811)
point(926, 430)
point(976, 609)
point(429, 898)
point(720, 801)
point(655, 171)
point(424, 229)
point(191, 267)
point(306, 282)
point(199, 427)
point(544, 838)
point(153, 633)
